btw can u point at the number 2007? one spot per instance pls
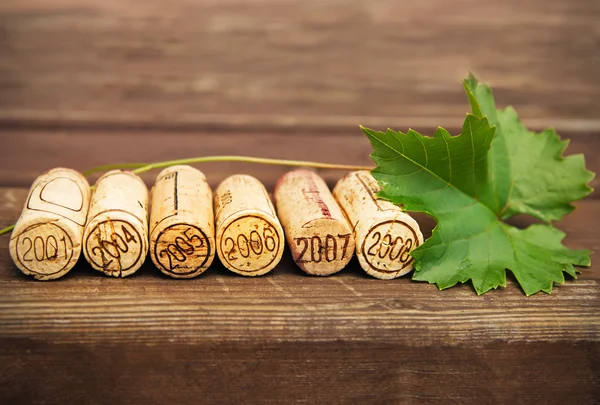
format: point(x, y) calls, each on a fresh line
point(317, 248)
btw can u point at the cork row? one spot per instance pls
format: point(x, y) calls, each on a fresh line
point(181, 224)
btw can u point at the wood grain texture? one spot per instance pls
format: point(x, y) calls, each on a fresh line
point(25, 154)
point(85, 83)
point(313, 372)
point(288, 337)
point(283, 63)
point(289, 306)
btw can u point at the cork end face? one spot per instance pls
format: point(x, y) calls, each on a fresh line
point(182, 250)
point(250, 244)
point(384, 248)
point(115, 243)
point(322, 246)
point(46, 248)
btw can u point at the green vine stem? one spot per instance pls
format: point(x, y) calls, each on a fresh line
point(144, 167)
point(139, 168)
point(105, 168)
point(7, 229)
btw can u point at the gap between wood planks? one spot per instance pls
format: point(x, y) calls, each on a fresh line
point(250, 123)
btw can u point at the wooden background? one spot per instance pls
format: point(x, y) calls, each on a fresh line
point(84, 83)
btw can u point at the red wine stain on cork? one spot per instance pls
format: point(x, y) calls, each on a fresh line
point(311, 192)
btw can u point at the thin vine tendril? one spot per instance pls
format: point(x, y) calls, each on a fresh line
point(138, 168)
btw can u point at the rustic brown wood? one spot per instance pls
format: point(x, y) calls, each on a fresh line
point(330, 373)
point(313, 372)
point(223, 336)
point(239, 63)
point(292, 338)
point(85, 83)
point(26, 154)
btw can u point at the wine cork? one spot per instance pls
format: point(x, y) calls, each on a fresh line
point(182, 230)
point(384, 234)
point(46, 241)
point(250, 239)
point(316, 230)
point(115, 240)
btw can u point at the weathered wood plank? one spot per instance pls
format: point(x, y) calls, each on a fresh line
point(307, 372)
point(86, 83)
point(286, 63)
point(286, 305)
point(25, 154)
point(287, 337)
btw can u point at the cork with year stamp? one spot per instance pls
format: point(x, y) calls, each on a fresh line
point(46, 241)
point(115, 240)
point(384, 234)
point(250, 239)
point(317, 232)
point(182, 230)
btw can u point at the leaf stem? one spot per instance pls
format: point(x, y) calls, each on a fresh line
point(139, 168)
point(247, 159)
point(105, 168)
point(7, 229)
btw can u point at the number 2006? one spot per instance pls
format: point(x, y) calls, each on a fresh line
point(252, 244)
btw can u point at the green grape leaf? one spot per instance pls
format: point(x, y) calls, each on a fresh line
point(528, 172)
point(470, 183)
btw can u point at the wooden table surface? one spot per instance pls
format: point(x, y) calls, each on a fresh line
point(85, 83)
